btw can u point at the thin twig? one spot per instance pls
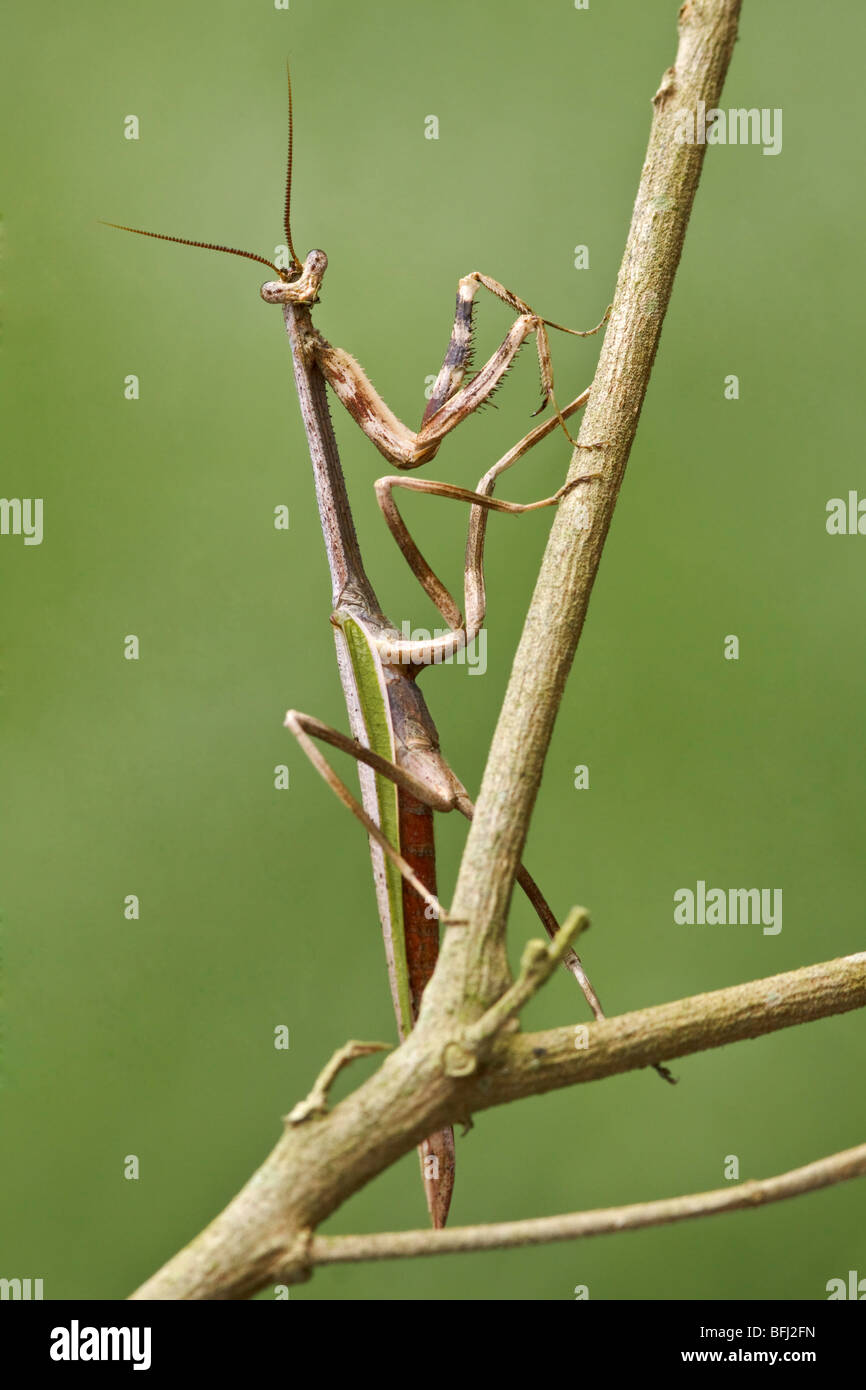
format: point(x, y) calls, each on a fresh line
point(545, 1230)
point(316, 1103)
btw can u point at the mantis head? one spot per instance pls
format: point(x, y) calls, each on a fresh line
point(300, 285)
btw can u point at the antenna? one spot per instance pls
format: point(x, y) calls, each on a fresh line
point(204, 245)
point(297, 264)
point(287, 221)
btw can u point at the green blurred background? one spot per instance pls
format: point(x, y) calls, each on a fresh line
point(155, 777)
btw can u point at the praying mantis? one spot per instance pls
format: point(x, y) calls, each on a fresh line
point(404, 775)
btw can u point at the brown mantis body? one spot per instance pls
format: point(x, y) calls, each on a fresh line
point(395, 740)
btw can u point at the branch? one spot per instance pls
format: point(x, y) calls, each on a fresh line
point(545, 1230)
point(532, 1063)
point(668, 183)
point(265, 1234)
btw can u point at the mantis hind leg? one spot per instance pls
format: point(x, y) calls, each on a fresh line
point(305, 728)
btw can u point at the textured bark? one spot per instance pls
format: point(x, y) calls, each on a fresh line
point(668, 184)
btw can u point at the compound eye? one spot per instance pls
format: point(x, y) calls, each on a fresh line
point(274, 292)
